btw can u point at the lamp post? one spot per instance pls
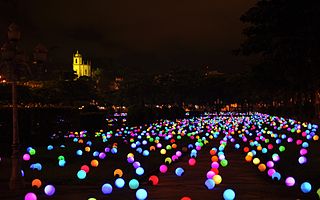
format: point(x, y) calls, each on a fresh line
point(10, 54)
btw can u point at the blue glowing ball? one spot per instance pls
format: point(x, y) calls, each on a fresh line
point(106, 188)
point(145, 153)
point(79, 152)
point(276, 176)
point(81, 174)
point(229, 194)
point(119, 183)
point(50, 147)
point(139, 150)
point(114, 150)
point(95, 154)
point(62, 163)
point(141, 194)
point(302, 160)
point(237, 146)
point(306, 187)
point(49, 190)
point(210, 184)
point(139, 171)
point(179, 171)
point(133, 184)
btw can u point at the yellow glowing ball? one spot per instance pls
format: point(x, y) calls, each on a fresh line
point(250, 154)
point(256, 161)
point(259, 148)
point(248, 158)
point(163, 151)
point(87, 149)
point(36, 183)
point(130, 155)
point(210, 137)
point(217, 179)
point(94, 163)
point(262, 167)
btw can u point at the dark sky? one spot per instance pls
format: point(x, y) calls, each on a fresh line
point(142, 34)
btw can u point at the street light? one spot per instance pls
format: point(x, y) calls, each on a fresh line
point(12, 57)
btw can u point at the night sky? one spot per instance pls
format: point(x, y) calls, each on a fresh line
point(143, 34)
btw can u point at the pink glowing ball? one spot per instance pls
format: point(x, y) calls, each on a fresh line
point(290, 181)
point(210, 174)
point(178, 153)
point(174, 158)
point(85, 168)
point(26, 157)
point(163, 169)
point(270, 164)
point(298, 142)
point(303, 152)
point(271, 172)
point(198, 148)
point(30, 196)
point(192, 162)
point(215, 165)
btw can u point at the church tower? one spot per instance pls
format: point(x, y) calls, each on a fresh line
point(79, 67)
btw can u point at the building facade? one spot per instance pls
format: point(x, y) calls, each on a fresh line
point(80, 67)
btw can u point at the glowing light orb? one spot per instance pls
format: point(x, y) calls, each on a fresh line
point(217, 179)
point(118, 172)
point(36, 183)
point(136, 164)
point(62, 163)
point(256, 161)
point(79, 152)
point(276, 176)
point(94, 163)
point(81, 174)
point(141, 194)
point(133, 184)
point(50, 147)
point(290, 181)
point(275, 157)
point(192, 162)
point(130, 159)
point(224, 162)
point(61, 158)
point(214, 165)
point(154, 179)
point(163, 169)
point(95, 154)
point(106, 188)
point(318, 192)
point(302, 160)
point(119, 183)
point(145, 153)
point(306, 187)
point(229, 194)
point(139, 171)
point(85, 168)
point(163, 151)
point(26, 157)
point(179, 171)
point(185, 198)
point(210, 184)
point(303, 152)
point(210, 174)
point(49, 190)
point(30, 196)
point(270, 164)
point(262, 167)
point(32, 152)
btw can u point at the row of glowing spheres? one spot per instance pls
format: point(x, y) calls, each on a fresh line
point(153, 139)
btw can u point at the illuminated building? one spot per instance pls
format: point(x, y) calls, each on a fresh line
point(80, 67)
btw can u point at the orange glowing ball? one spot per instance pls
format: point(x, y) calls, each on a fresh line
point(212, 152)
point(87, 149)
point(259, 148)
point(118, 172)
point(214, 158)
point(248, 158)
point(152, 148)
point(262, 167)
point(94, 163)
point(316, 137)
point(174, 146)
point(80, 141)
point(36, 183)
